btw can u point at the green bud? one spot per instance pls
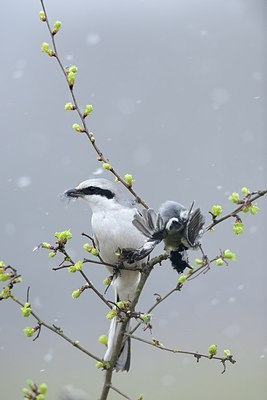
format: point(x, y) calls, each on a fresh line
point(73, 69)
point(31, 384)
point(43, 388)
point(234, 197)
point(6, 293)
point(229, 255)
point(46, 49)
point(245, 190)
point(88, 110)
point(141, 397)
point(254, 209)
point(27, 392)
point(198, 261)
point(111, 314)
point(26, 310)
point(46, 245)
point(227, 352)
point(2, 264)
point(246, 209)
point(69, 106)
point(42, 16)
point(219, 261)
point(129, 179)
point(57, 26)
point(146, 317)
point(213, 350)
point(76, 293)
point(29, 331)
point(107, 281)
point(77, 128)
point(99, 364)
point(2, 270)
point(216, 210)
point(238, 227)
point(52, 254)
point(40, 397)
point(18, 280)
point(182, 278)
point(72, 269)
point(95, 252)
point(107, 166)
point(4, 277)
point(87, 247)
point(71, 78)
point(103, 339)
point(63, 236)
point(122, 304)
point(78, 265)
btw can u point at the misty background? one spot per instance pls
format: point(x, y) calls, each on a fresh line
point(179, 93)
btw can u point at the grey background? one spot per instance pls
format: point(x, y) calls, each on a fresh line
point(179, 92)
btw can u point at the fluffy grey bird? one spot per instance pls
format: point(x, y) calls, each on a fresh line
point(112, 216)
point(178, 227)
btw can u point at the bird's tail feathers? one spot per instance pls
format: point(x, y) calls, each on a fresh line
point(124, 358)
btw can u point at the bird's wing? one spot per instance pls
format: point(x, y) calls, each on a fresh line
point(194, 227)
point(150, 224)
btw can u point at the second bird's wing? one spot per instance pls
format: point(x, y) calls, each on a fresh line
point(194, 228)
point(151, 225)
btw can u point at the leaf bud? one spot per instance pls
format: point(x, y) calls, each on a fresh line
point(69, 106)
point(219, 261)
point(111, 314)
point(245, 190)
point(78, 128)
point(29, 331)
point(254, 209)
point(129, 179)
point(43, 388)
point(57, 26)
point(95, 252)
point(182, 279)
point(26, 310)
point(46, 49)
point(52, 254)
point(216, 210)
point(42, 16)
point(213, 350)
point(63, 236)
point(107, 281)
point(107, 166)
point(103, 339)
point(235, 198)
point(238, 227)
point(76, 293)
point(88, 110)
point(227, 352)
point(229, 255)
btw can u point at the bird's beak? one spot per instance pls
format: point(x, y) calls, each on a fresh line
point(74, 193)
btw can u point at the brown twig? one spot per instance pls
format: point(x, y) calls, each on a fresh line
point(198, 356)
point(82, 117)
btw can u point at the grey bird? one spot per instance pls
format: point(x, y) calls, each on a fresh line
point(180, 229)
point(111, 222)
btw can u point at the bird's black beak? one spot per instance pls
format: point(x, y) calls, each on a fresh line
point(73, 193)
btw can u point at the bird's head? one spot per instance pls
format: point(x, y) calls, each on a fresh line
point(99, 193)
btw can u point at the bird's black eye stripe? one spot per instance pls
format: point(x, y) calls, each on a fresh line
point(90, 190)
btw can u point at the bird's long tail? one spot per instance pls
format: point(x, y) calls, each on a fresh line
point(123, 361)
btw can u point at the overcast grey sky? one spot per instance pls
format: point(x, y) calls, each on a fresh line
point(179, 93)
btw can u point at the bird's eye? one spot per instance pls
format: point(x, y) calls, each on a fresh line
point(89, 190)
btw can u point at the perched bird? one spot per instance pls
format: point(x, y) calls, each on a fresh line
point(178, 227)
point(112, 216)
